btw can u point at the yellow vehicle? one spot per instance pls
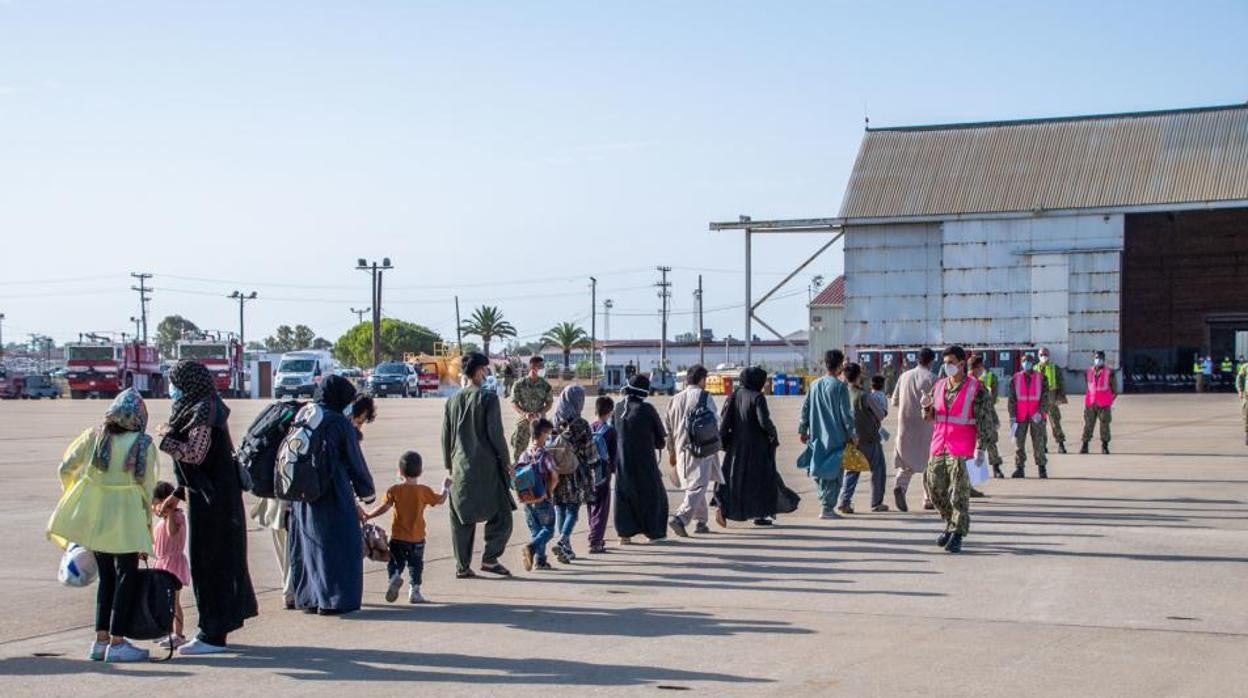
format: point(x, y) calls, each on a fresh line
point(438, 370)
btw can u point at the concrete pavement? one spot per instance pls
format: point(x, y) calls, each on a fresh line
point(1120, 575)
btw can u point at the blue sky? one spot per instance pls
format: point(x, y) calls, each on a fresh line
point(504, 151)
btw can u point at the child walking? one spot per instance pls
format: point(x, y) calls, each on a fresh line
point(539, 510)
point(169, 551)
point(408, 499)
point(600, 506)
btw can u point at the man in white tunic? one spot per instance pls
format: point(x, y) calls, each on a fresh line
point(694, 473)
point(914, 434)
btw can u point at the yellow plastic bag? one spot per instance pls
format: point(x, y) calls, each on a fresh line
point(854, 460)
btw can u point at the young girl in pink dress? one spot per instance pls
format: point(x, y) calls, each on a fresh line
point(169, 550)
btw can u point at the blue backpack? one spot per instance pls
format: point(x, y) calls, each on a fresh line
point(529, 482)
point(602, 469)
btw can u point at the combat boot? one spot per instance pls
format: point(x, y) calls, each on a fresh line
point(996, 472)
point(955, 543)
point(1061, 447)
point(1105, 447)
point(1044, 473)
point(1018, 473)
point(1084, 448)
point(975, 494)
point(943, 539)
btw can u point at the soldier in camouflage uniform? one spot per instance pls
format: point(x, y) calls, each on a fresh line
point(1241, 387)
point(989, 443)
point(1033, 424)
point(1055, 382)
point(945, 476)
point(1093, 412)
point(531, 397)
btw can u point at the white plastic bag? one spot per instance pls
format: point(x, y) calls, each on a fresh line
point(977, 470)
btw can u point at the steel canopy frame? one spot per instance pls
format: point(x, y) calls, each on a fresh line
point(750, 227)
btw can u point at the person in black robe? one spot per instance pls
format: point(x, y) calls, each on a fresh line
point(751, 484)
point(198, 439)
point(640, 496)
point(326, 567)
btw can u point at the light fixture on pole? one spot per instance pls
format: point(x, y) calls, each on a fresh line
point(377, 270)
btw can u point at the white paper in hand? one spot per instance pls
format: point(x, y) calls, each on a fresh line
point(977, 470)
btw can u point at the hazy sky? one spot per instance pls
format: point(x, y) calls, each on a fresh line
point(505, 151)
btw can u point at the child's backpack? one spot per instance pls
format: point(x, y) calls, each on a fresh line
point(302, 473)
point(529, 481)
point(257, 454)
point(564, 454)
point(602, 469)
point(703, 428)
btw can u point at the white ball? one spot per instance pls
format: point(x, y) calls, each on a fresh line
point(78, 567)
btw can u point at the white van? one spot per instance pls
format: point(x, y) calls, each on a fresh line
point(300, 372)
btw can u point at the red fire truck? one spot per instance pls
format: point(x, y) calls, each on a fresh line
point(103, 369)
point(223, 359)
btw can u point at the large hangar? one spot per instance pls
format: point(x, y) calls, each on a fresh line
point(1123, 232)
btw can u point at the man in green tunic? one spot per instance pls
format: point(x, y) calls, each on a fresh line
point(532, 398)
point(474, 450)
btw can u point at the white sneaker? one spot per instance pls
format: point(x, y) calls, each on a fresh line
point(413, 595)
point(198, 646)
point(829, 514)
point(392, 591)
point(98, 650)
point(173, 641)
point(125, 652)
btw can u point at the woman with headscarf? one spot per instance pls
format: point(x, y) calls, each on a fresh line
point(475, 452)
point(640, 496)
point(577, 488)
point(749, 440)
point(198, 438)
point(107, 477)
point(326, 567)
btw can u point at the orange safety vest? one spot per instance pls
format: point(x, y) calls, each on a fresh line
point(1027, 403)
point(1099, 392)
point(954, 429)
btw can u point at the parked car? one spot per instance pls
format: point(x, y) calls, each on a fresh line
point(300, 372)
point(38, 386)
point(394, 378)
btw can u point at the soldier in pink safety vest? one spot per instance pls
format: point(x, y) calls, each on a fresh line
point(1098, 401)
point(1029, 403)
point(960, 410)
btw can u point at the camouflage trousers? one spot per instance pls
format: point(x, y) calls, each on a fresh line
point(1244, 409)
point(988, 444)
point(1039, 443)
point(1090, 415)
point(950, 490)
point(520, 439)
point(1055, 422)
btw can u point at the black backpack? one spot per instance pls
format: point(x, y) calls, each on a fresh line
point(152, 615)
point(257, 455)
point(703, 428)
point(302, 470)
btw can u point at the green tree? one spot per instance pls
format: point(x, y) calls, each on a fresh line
point(322, 343)
point(287, 338)
point(487, 323)
point(170, 330)
point(355, 348)
point(567, 336)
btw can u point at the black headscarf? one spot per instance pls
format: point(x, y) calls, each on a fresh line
point(638, 387)
point(470, 362)
point(199, 405)
point(753, 378)
point(335, 393)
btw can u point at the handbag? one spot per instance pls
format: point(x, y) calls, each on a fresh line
point(376, 547)
point(854, 460)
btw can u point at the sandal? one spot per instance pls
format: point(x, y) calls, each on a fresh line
point(465, 574)
point(496, 568)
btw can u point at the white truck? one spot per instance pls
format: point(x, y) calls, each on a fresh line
point(300, 372)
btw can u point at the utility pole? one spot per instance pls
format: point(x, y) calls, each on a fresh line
point(360, 314)
point(143, 289)
point(701, 329)
point(593, 328)
point(377, 270)
point(1, 335)
point(665, 293)
point(138, 328)
point(242, 298)
point(607, 305)
point(459, 330)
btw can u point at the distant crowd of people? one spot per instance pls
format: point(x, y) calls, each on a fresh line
point(722, 459)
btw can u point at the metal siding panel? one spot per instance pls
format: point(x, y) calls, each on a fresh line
point(1131, 159)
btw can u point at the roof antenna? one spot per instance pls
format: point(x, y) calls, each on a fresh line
point(866, 120)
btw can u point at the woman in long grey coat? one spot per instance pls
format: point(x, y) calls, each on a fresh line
point(475, 452)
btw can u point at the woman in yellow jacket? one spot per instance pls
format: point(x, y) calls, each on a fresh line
point(107, 478)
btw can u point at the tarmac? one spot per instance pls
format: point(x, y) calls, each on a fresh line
point(1120, 575)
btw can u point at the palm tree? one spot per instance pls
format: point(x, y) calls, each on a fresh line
point(567, 337)
point(487, 323)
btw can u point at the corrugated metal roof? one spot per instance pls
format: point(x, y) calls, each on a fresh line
point(832, 294)
point(1181, 156)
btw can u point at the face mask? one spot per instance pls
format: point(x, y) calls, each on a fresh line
point(951, 370)
point(175, 393)
point(1027, 366)
point(1098, 362)
point(541, 373)
point(1044, 359)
